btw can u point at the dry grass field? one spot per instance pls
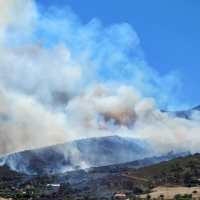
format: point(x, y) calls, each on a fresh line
point(170, 192)
point(4, 198)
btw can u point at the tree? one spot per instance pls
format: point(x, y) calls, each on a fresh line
point(64, 188)
point(177, 165)
point(186, 176)
point(137, 190)
point(193, 161)
point(149, 184)
point(177, 197)
point(162, 196)
point(128, 184)
point(86, 197)
point(187, 196)
point(148, 196)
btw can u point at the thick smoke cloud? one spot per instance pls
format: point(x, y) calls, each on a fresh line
point(61, 79)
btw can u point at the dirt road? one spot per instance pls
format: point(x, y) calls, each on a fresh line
point(134, 177)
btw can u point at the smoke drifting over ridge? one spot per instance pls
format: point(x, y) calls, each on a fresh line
point(60, 79)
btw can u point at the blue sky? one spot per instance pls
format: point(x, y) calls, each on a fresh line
point(168, 31)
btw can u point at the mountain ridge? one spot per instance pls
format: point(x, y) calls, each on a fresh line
point(84, 153)
point(183, 113)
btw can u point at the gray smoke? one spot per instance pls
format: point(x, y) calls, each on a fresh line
point(62, 80)
point(79, 154)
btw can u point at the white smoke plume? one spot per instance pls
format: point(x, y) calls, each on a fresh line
point(61, 79)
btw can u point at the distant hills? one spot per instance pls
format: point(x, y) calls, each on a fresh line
point(183, 114)
point(84, 153)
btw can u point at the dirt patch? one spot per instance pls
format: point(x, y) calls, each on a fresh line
point(170, 192)
point(5, 199)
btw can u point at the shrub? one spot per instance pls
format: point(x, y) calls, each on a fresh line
point(189, 196)
point(137, 190)
point(186, 176)
point(148, 196)
point(162, 196)
point(177, 197)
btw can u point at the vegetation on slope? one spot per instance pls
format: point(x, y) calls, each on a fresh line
point(179, 171)
point(104, 182)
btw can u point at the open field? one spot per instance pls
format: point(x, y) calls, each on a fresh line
point(170, 192)
point(4, 198)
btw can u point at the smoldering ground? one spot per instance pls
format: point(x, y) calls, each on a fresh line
point(60, 79)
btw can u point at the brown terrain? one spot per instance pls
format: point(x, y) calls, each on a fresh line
point(169, 192)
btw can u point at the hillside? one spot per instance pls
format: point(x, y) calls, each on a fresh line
point(85, 153)
point(95, 182)
point(179, 171)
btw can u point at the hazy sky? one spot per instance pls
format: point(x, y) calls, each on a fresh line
point(168, 31)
